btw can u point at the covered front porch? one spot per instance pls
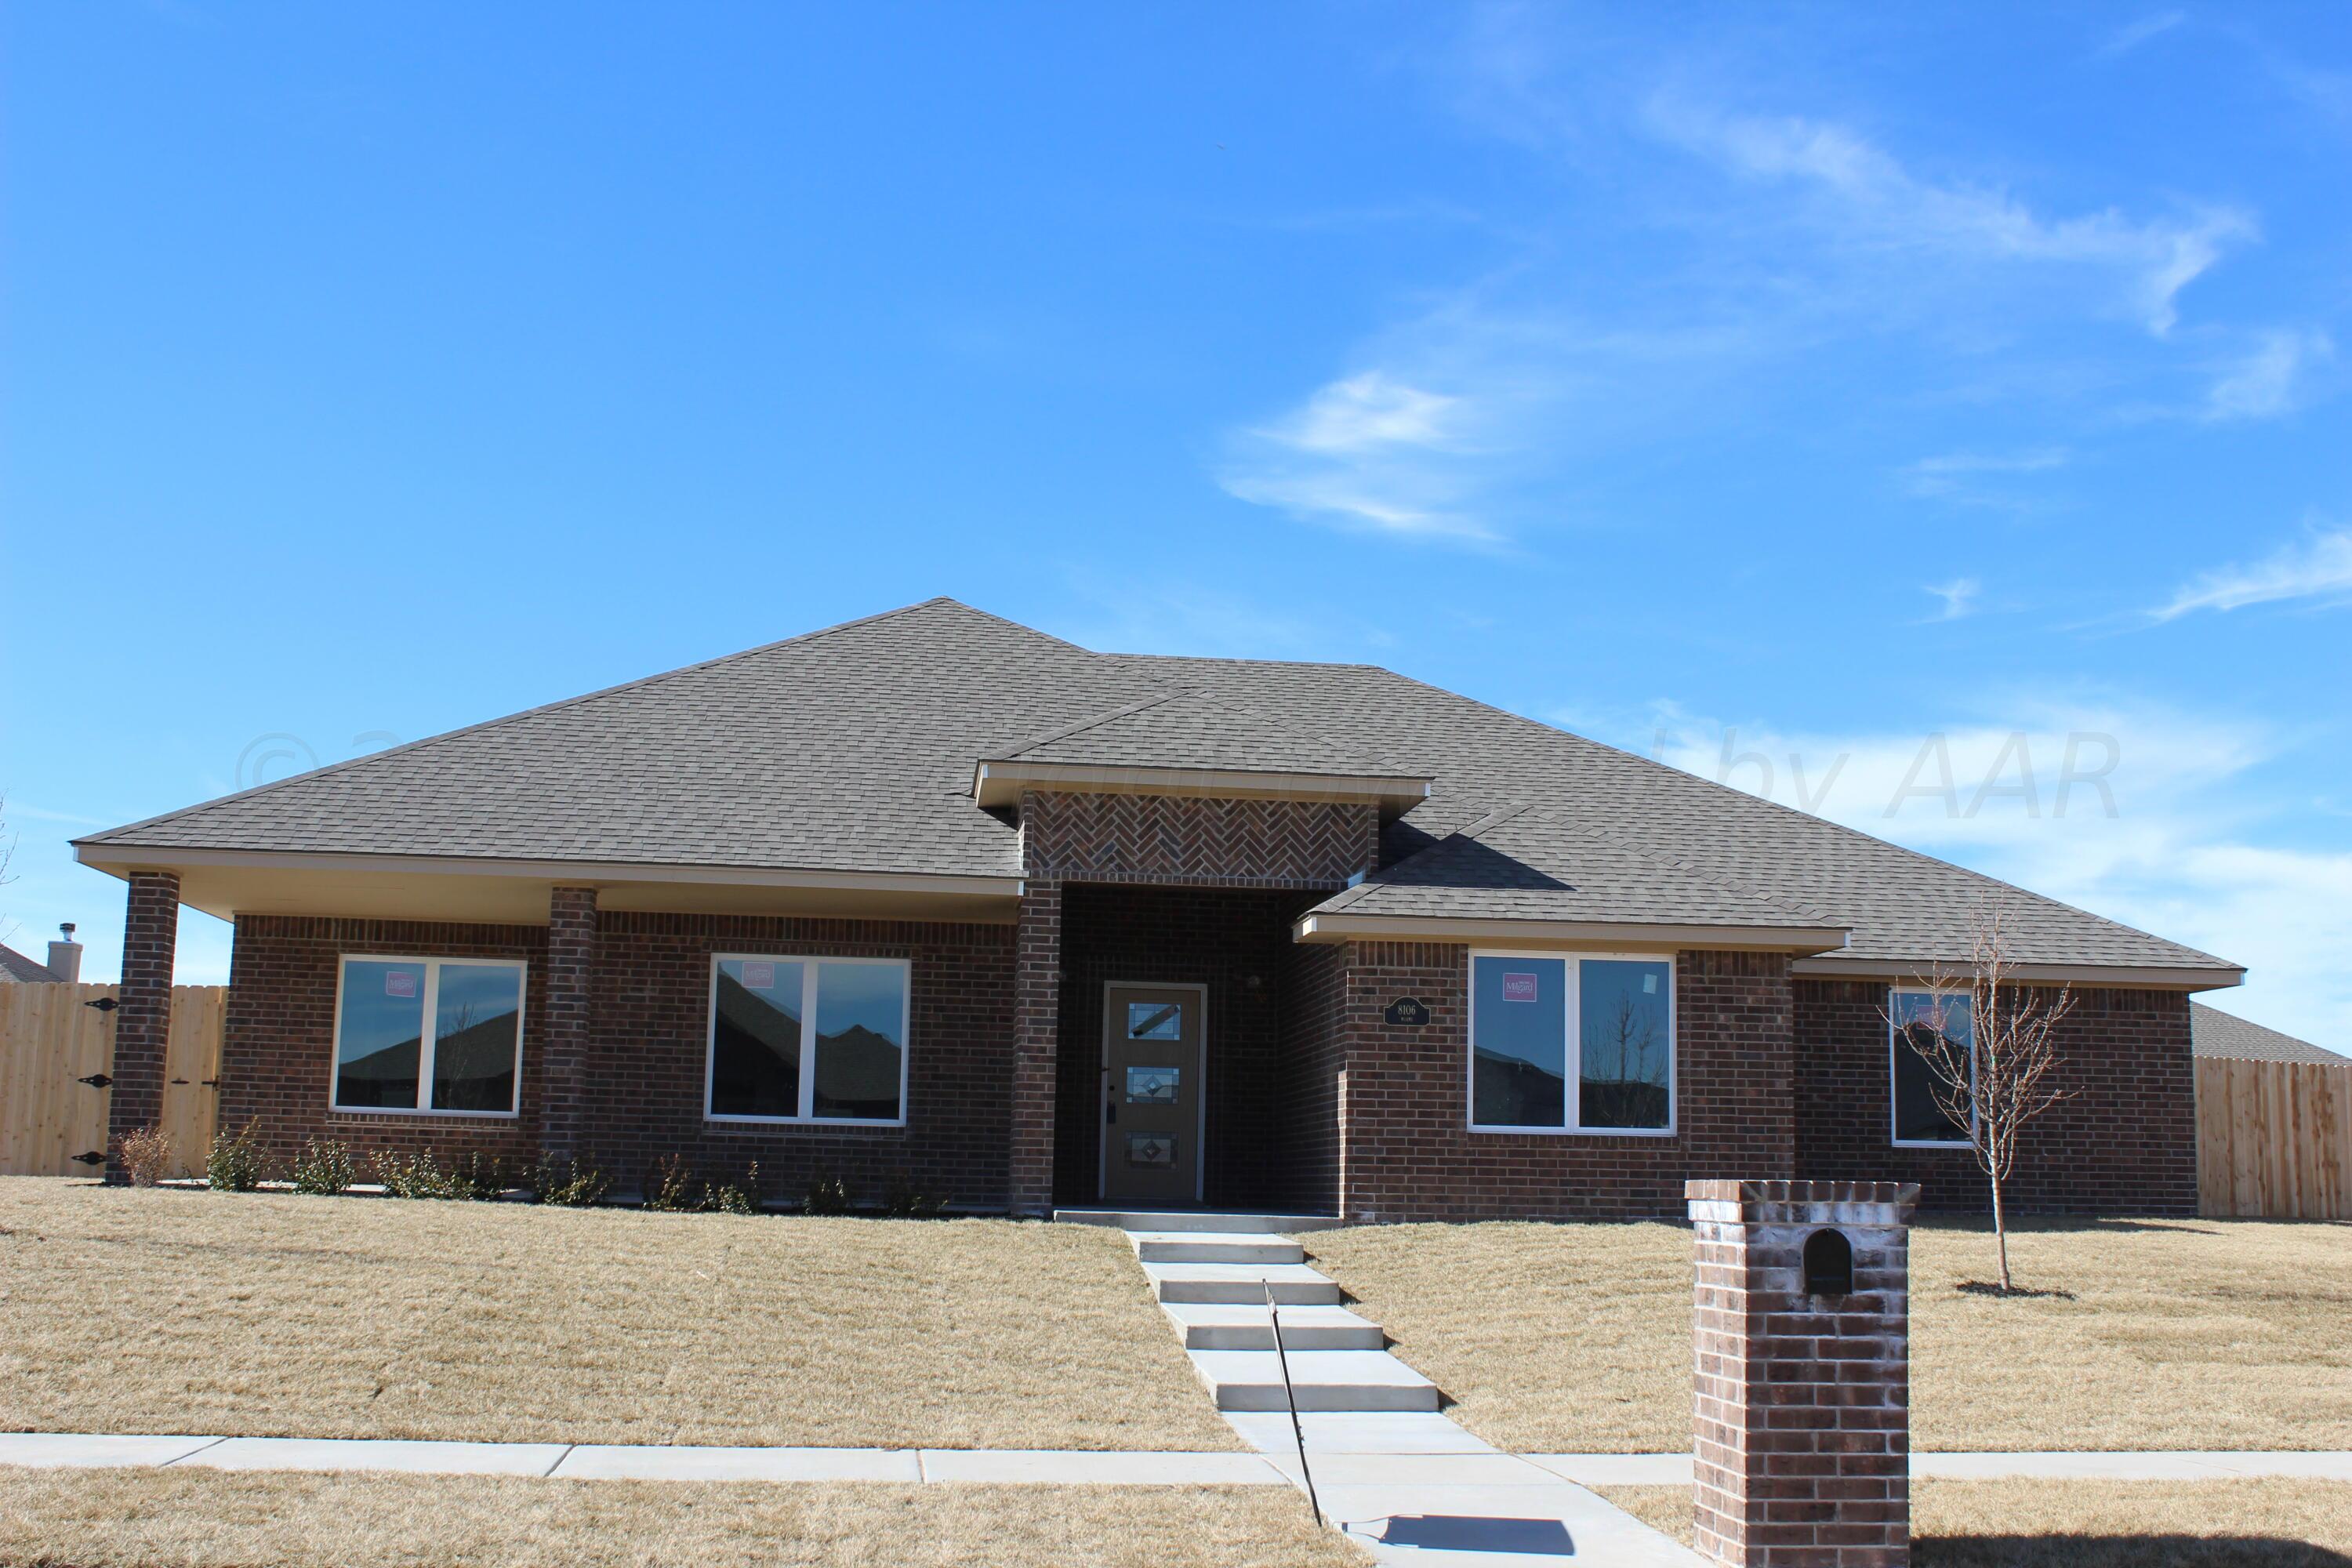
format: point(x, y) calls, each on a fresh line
point(1183, 1076)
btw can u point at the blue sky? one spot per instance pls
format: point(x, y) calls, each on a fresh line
point(1775, 395)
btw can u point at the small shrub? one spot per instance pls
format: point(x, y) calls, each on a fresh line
point(324, 1169)
point(568, 1182)
point(734, 1197)
point(418, 1176)
point(670, 1186)
point(233, 1164)
point(477, 1178)
point(827, 1193)
point(146, 1155)
point(901, 1201)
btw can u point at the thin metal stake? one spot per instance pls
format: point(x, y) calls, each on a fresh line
point(1289, 1398)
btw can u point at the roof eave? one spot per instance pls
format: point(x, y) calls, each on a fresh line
point(1329, 928)
point(228, 883)
point(2124, 976)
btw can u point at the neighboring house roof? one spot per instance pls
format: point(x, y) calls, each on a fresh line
point(14, 965)
point(854, 750)
point(2213, 1033)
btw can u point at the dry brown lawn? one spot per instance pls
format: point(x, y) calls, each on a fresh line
point(257, 1314)
point(2173, 1334)
point(2096, 1524)
point(196, 1519)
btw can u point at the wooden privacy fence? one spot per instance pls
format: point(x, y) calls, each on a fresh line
point(2274, 1139)
point(50, 1041)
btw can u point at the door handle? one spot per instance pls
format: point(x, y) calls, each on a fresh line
point(1110, 1111)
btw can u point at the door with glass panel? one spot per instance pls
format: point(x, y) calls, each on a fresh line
point(1152, 1058)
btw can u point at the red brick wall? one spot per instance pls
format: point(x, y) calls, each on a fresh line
point(1235, 943)
point(278, 1038)
point(1036, 1024)
point(646, 1048)
point(1410, 1153)
point(2126, 1144)
point(142, 1019)
point(1312, 1078)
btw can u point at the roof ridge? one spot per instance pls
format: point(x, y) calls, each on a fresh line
point(1215, 701)
point(1278, 663)
point(112, 834)
point(1079, 726)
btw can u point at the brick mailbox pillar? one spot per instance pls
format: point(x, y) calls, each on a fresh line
point(1802, 1408)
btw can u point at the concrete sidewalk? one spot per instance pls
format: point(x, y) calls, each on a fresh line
point(1343, 1450)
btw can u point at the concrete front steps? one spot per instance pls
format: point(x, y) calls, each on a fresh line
point(1133, 1220)
point(1251, 1328)
point(1213, 1284)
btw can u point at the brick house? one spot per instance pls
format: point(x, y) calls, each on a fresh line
point(933, 900)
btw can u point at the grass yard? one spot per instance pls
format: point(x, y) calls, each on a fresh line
point(196, 1519)
point(2096, 1524)
point(257, 1314)
point(2177, 1334)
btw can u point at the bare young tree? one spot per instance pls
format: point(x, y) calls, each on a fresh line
point(1990, 1046)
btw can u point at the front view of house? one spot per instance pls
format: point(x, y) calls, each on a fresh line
point(936, 903)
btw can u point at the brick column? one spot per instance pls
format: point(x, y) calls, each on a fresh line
point(1036, 1024)
point(563, 1052)
point(1802, 1413)
point(143, 1015)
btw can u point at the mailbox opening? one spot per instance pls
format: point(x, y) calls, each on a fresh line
point(1829, 1264)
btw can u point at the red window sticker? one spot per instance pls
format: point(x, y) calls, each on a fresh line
point(759, 976)
point(400, 983)
point(1518, 987)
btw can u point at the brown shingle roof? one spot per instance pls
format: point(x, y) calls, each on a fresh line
point(852, 749)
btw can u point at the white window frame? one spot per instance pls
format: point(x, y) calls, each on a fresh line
point(1571, 1022)
point(1895, 994)
point(807, 1117)
point(428, 1045)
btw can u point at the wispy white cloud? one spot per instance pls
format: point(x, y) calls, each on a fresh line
point(14, 809)
point(1971, 479)
point(2132, 35)
point(1376, 452)
point(2318, 568)
point(1881, 203)
point(1367, 411)
point(2270, 379)
point(2143, 812)
point(1959, 596)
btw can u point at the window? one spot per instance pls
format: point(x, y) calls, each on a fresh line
point(1913, 1021)
point(808, 1039)
point(468, 1063)
point(1571, 1044)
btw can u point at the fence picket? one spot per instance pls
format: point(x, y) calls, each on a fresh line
point(2274, 1139)
point(49, 1041)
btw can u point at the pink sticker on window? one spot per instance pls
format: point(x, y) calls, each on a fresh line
point(759, 976)
point(1518, 987)
point(400, 983)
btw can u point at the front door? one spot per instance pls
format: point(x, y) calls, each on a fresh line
point(1152, 1058)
